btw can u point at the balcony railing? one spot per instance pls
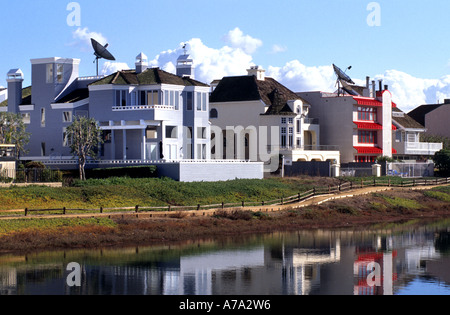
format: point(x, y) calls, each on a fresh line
point(423, 147)
point(308, 147)
point(142, 107)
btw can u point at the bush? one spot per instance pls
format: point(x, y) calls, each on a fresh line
point(442, 162)
point(131, 172)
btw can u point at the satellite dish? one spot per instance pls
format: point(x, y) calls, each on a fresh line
point(342, 78)
point(101, 52)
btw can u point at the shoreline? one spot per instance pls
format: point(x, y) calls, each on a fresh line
point(358, 212)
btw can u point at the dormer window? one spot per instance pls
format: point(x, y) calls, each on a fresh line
point(49, 73)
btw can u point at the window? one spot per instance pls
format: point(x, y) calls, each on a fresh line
point(291, 121)
point(204, 102)
point(283, 120)
point(153, 98)
point(367, 113)
point(166, 97)
point(67, 117)
point(42, 117)
point(59, 73)
point(188, 100)
point(42, 148)
point(283, 137)
point(199, 101)
point(213, 114)
point(171, 132)
point(49, 73)
point(177, 100)
point(299, 126)
point(291, 136)
point(201, 133)
point(67, 141)
point(121, 98)
point(26, 117)
point(142, 98)
point(151, 133)
point(367, 137)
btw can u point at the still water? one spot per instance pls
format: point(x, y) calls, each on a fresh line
point(407, 259)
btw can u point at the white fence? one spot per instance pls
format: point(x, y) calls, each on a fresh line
point(410, 170)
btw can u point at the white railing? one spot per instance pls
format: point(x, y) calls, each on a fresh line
point(98, 77)
point(137, 162)
point(142, 107)
point(430, 148)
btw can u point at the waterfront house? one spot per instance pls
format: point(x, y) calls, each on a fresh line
point(147, 115)
point(366, 124)
point(261, 118)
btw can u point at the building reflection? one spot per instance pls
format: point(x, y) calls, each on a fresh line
point(318, 262)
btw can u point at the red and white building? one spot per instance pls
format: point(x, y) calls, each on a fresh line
point(361, 123)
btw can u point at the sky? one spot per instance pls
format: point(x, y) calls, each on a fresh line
point(405, 43)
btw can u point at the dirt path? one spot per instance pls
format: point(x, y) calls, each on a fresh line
point(316, 200)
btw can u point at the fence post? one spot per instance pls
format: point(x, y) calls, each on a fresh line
point(223, 204)
point(136, 209)
point(101, 209)
point(198, 207)
point(242, 203)
point(281, 200)
point(26, 211)
point(64, 210)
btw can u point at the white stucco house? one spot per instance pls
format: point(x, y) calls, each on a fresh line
point(261, 120)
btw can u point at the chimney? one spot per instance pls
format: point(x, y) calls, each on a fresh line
point(386, 87)
point(258, 72)
point(374, 94)
point(380, 83)
point(14, 79)
point(141, 63)
point(185, 66)
point(367, 82)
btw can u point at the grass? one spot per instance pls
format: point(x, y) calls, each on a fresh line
point(148, 192)
point(9, 226)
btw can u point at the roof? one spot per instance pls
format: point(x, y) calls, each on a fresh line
point(249, 88)
point(405, 120)
point(151, 76)
point(26, 97)
point(419, 113)
point(74, 96)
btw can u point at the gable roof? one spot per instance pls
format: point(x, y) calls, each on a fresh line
point(420, 112)
point(151, 76)
point(249, 88)
point(404, 120)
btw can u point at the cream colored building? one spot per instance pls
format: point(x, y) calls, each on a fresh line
point(256, 118)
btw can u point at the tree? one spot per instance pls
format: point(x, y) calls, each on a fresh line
point(13, 131)
point(442, 162)
point(84, 138)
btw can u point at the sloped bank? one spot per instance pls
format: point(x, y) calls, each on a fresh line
point(357, 212)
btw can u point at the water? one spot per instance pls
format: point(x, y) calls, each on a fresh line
point(402, 260)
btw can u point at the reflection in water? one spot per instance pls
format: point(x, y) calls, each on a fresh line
point(383, 261)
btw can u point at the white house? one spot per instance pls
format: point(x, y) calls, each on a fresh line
point(261, 119)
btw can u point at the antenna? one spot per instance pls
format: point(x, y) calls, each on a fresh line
point(100, 52)
point(342, 78)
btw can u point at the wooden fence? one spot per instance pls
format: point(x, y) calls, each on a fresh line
point(316, 191)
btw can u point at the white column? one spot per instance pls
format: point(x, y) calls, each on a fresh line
point(113, 144)
point(144, 140)
point(124, 144)
point(387, 123)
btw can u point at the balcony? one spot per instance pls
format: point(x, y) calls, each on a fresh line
point(141, 107)
point(419, 148)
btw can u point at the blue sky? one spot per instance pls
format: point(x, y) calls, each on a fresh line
point(296, 41)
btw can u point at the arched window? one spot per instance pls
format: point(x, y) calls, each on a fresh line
point(213, 113)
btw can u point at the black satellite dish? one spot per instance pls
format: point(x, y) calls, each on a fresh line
point(342, 77)
point(100, 52)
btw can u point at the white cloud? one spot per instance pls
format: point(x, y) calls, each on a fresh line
point(301, 78)
point(111, 67)
point(210, 63)
point(234, 58)
point(278, 49)
point(237, 39)
point(83, 37)
point(409, 92)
